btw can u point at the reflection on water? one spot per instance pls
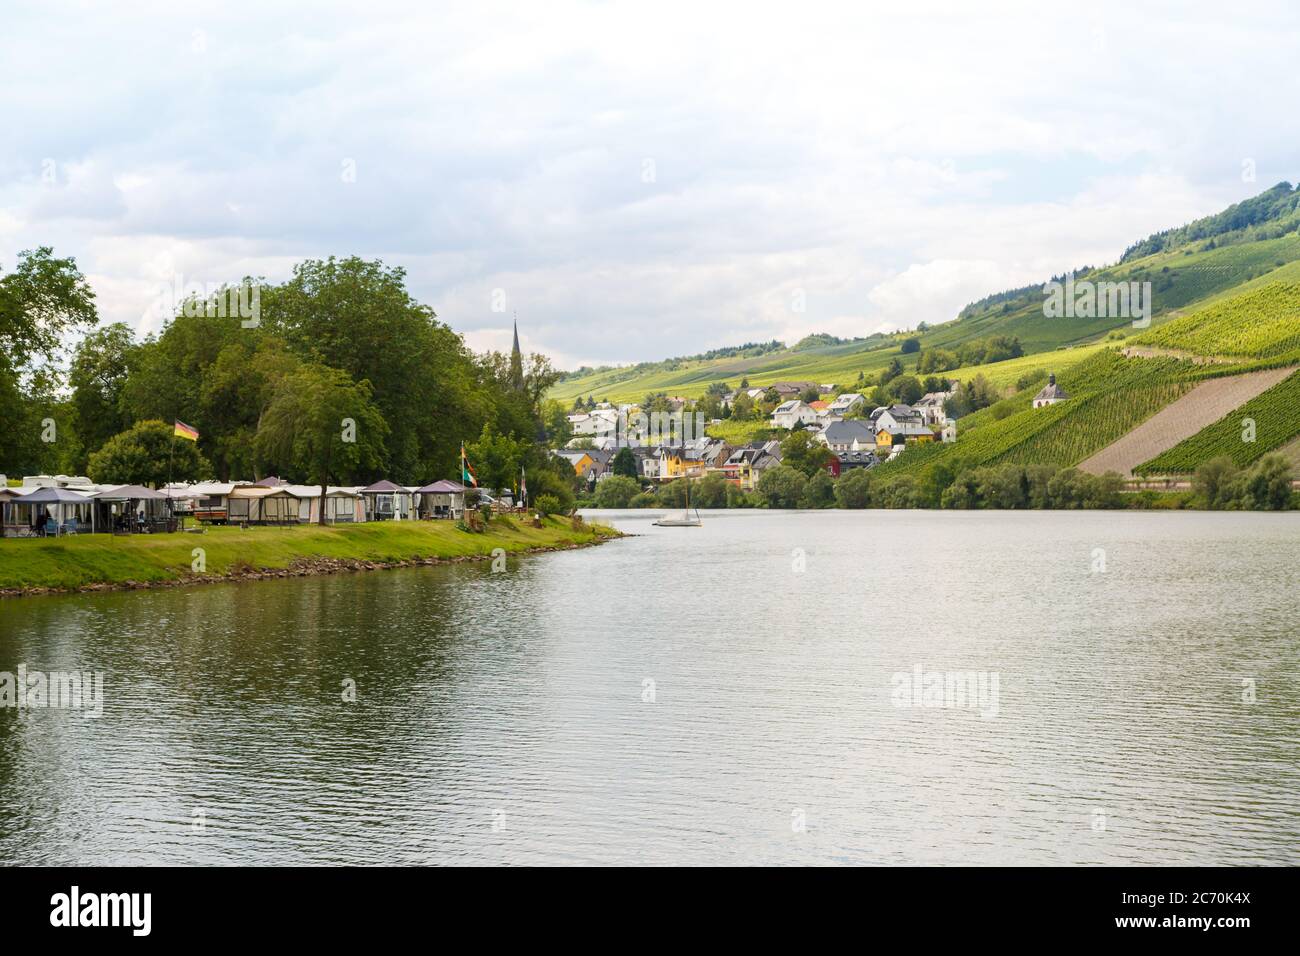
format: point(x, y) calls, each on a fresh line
point(704, 695)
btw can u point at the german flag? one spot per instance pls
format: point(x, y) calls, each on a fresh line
point(184, 431)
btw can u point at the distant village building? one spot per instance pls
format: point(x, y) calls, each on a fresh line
point(849, 435)
point(1051, 393)
point(792, 414)
point(931, 407)
point(845, 404)
point(900, 424)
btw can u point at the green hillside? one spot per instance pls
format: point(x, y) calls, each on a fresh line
point(1260, 323)
point(1244, 248)
point(1276, 414)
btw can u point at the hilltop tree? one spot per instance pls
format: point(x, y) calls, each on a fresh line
point(97, 376)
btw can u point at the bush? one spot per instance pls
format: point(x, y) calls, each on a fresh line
point(616, 491)
point(548, 505)
point(853, 489)
point(782, 487)
point(820, 491)
point(645, 499)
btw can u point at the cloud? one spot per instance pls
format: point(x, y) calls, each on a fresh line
point(641, 182)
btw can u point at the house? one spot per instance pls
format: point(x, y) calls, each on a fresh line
point(848, 460)
point(845, 404)
point(685, 460)
point(792, 414)
point(1051, 393)
point(599, 421)
point(896, 435)
point(647, 462)
point(744, 465)
point(931, 407)
point(848, 435)
point(787, 390)
point(892, 416)
point(588, 463)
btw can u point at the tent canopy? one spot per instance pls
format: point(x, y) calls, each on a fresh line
point(383, 486)
point(443, 487)
point(131, 493)
point(49, 496)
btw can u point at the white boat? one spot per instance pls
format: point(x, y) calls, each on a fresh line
point(685, 519)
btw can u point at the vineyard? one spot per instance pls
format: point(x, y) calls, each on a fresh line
point(1261, 323)
point(1110, 395)
point(1276, 414)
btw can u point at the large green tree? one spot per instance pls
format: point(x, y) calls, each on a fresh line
point(148, 453)
point(321, 426)
point(101, 365)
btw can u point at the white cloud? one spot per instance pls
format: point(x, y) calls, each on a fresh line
point(889, 163)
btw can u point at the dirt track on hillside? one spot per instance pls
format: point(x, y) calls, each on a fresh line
point(1203, 405)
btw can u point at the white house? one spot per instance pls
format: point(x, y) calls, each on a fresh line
point(1051, 393)
point(793, 414)
point(850, 435)
point(895, 417)
point(931, 407)
point(844, 404)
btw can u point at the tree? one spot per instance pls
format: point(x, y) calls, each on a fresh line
point(1213, 480)
point(853, 489)
point(710, 492)
point(147, 454)
point(909, 346)
point(625, 463)
point(782, 486)
point(906, 389)
point(805, 454)
point(616, 491)
point(322, 426)
point(99, 370)
point(820, 491)
point(496, 458)
point(41, 301)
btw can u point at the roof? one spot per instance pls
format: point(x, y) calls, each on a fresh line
point(443, 487)
point(313, 491)
point(130, 493)
point(786, 406)
point(1052, 390)
point(260, 491)
point(843, 433)
point(932, 399)
point(270, 481)
point(53, 495)
point(383, 486)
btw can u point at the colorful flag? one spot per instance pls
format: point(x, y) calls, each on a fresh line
point(184, 431)
point(523, 486)
point(466, 472)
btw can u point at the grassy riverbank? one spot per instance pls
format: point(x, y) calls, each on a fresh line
point(105, 560)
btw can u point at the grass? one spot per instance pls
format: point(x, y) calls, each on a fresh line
point(73, 562)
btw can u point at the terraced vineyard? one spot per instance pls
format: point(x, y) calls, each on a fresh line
point(1261, 323)
point(1109, 395)
point(1276, 414)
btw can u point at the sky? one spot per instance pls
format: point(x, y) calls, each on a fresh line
point(633, 180)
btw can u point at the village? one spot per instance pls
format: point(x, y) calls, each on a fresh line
point(855, 434)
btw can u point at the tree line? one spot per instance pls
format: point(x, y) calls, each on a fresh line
point(340, 376)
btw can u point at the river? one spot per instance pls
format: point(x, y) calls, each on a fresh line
point(735, 693)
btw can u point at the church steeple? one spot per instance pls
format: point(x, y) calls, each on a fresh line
point(516, 361)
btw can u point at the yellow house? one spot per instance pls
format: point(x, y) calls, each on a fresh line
point(677, 463)
point(907, 432)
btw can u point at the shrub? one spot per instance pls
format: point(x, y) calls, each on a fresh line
point(853, 489)
point(548, 505)
point(616, 491)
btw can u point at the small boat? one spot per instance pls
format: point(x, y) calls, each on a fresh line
point(684, 520)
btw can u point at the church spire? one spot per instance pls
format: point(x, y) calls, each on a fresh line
point(516, 360)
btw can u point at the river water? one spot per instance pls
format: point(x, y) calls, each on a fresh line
point(735, 693)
